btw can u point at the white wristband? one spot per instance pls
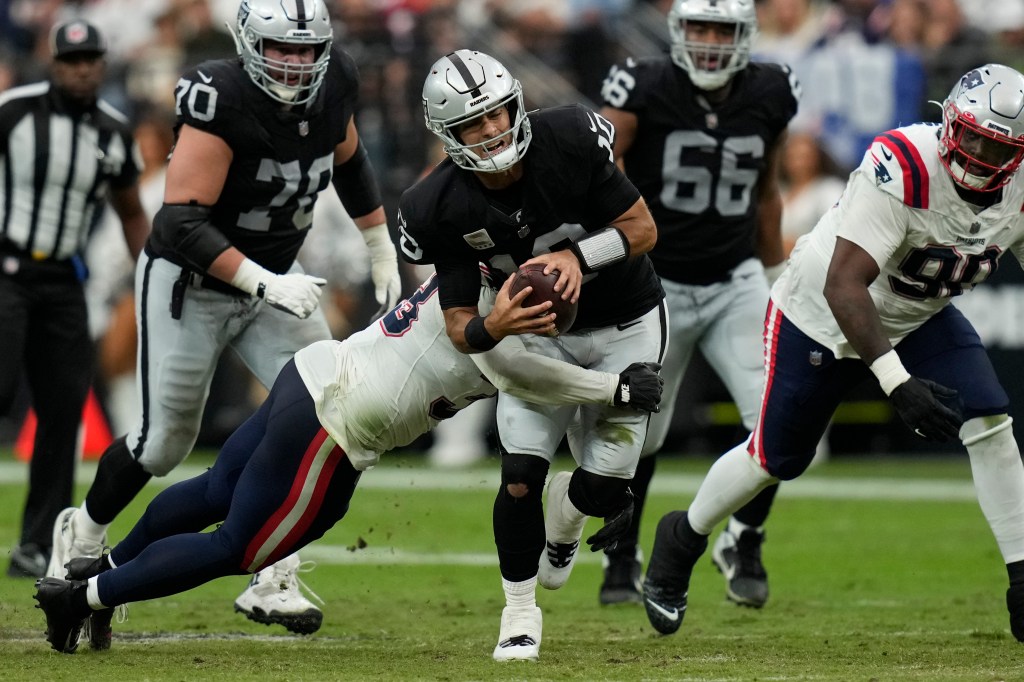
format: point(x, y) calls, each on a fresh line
point(251, 278)
point(890, 371)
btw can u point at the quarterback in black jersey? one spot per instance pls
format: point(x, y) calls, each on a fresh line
point(699, 132)
point(258, 137)
point(565, 204)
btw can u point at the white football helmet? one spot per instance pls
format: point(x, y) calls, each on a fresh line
point(711, 65)
point(982, 141)
point(296, 22)
point(467, 84)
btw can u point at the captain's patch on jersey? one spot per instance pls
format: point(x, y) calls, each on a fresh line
point(479, 240)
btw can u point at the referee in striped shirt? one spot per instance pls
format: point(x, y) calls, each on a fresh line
point(63, 153)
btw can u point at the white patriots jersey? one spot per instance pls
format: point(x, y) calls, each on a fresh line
point(901, 206)
point(388, 384)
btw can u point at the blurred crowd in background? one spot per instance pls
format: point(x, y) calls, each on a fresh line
point(864, 66)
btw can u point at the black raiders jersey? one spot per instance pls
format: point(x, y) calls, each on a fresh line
point(698, 165)
point(570, 187)
point(282, 159)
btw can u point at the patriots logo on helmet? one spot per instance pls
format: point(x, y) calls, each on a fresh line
point(971, 79)
point(882, 175)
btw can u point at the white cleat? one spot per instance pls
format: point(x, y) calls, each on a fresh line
point(274, 597)
point(563, 526)
point(519, 638)
point(67, 547)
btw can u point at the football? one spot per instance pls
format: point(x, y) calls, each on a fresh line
point(543, 290)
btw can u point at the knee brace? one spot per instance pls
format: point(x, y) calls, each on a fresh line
point(596, 495)
point(526, 470)
point(519, 519)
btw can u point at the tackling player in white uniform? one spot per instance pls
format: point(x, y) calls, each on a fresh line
point(286, 476)
point(926, 216)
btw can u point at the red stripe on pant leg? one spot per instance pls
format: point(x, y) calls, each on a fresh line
point(293, 495)
point(316, 501)
point(771, 336)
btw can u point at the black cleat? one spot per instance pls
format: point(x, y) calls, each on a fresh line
point(97, 628)
point(739, 560)
point(1015, 605)
point(621, 579)
point(668, 575)
point(63, 627)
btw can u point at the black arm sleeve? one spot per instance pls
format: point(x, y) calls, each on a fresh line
point(183, 234)
point(356, 183)
point(458, 284)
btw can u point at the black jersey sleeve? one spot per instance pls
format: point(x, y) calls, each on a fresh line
point(458, 284)
point(779, 92)
point(610, 192)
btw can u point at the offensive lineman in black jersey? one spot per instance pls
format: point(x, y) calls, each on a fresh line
point(567, 205)
point(257, 138)
point(700, 132)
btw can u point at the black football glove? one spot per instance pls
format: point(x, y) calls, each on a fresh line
point(918, 403)
point(614, 527)
point(640, 387)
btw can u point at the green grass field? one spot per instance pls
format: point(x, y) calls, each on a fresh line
point(880, 570)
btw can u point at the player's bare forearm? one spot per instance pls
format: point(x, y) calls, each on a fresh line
point(371, 219)
point(769, 230)
point(637, 224)
point(769, 208)
point(846, 289)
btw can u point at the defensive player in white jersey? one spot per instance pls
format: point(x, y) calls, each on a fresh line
point(700, 132)
point(927, 215)
point(287, 474)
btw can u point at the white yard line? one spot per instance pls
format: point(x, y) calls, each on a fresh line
point(664, 482)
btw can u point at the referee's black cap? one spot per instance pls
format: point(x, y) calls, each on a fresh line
point(76, 37)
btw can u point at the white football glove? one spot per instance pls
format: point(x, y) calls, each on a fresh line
point(295, 293)
point(387, 283)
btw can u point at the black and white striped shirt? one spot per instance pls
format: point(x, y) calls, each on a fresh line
point(57, 164)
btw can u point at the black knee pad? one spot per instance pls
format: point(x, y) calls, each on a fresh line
point(528, 469)
point(596, 495)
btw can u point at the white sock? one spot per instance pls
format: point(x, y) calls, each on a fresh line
point(998, 480)
point(521, 594)
point(736, 527)
point(85, 527)
point(733, 480)
point(92, 594)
